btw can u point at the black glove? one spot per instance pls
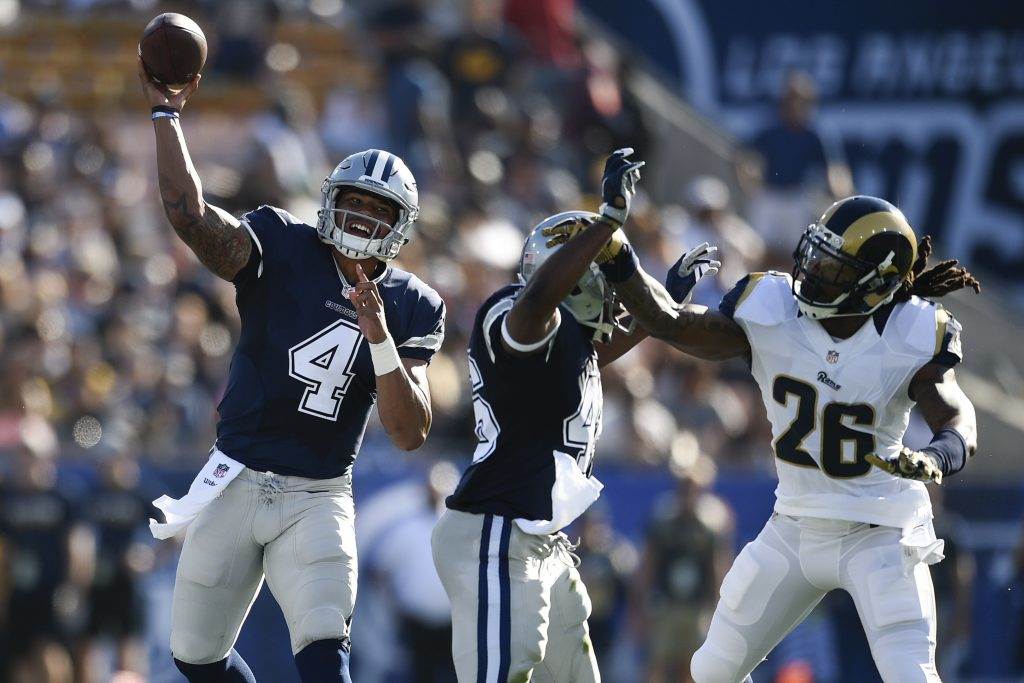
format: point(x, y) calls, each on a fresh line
point(618, 185)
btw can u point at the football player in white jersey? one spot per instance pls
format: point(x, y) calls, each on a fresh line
point(842, 351)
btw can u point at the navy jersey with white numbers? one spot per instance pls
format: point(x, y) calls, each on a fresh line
point(527, 409)
point(301, 383)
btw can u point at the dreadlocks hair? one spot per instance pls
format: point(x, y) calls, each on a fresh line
point(939, 280)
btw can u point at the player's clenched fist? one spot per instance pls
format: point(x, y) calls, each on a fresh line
point(370, 308)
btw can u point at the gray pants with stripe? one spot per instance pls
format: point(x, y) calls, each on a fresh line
point(297, 532)
point(519, 606)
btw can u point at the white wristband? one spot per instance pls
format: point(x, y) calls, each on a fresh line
point(385, 357)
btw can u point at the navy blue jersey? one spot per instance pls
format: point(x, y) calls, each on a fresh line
point(34, 527)
point(116, 515)
point(527, 408)
point(301, 383)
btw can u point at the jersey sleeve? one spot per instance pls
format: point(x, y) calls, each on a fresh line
point(268, 229)
point(948, 349)
point(734, 296)
point(494, 332)
point(425, 333)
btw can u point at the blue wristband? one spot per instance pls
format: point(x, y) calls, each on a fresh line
point(949, 449)
point(622, 267)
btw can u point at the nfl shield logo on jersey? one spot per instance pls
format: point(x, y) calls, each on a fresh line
point(220, 471)
point(832, 357)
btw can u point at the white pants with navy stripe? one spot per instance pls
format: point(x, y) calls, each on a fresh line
point(519, 607)
point(780, 576)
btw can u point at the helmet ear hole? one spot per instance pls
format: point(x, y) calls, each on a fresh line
point(576, 291)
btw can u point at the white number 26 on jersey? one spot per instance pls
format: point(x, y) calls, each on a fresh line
point(324, 363)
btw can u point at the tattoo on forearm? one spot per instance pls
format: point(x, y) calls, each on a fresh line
point(691, 329)
point(213, 234)
point(649, 303)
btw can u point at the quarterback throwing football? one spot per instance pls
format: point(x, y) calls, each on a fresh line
point(329, 328)
point(842, 351)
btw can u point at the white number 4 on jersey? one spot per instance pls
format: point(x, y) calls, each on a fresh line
point(324, 363)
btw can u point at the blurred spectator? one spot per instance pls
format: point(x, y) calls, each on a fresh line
point(607, 561)
point(118, 513)
point(243, 33)
point(403, 558)
point(602, 113)
point(549, 26)
point(402, 34)
point(687, 552)
point(48, 559)
point(953, 579)
point(478, 61)
point(287, 154)
point(802, 171)
point(713, 219)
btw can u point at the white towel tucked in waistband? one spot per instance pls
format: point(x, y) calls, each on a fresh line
point(211, 481)
point(919, 544)
point(572, 493)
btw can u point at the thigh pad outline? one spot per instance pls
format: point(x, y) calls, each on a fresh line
point(751, 581)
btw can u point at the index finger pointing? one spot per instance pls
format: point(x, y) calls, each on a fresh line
point(360, 275)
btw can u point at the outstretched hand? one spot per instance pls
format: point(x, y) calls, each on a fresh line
point(159, 95)
point(685, 273)
point(369, 307)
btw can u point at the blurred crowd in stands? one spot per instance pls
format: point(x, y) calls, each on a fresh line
point(114, 341)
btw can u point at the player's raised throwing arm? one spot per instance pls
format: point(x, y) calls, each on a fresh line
point(213, 234)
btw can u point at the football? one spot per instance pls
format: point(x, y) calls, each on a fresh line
point(173, 49)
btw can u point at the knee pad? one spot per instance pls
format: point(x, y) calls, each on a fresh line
point(905, 658)
point(322, 623)
point(193, 650)
point(720, 658)
point(711, 667)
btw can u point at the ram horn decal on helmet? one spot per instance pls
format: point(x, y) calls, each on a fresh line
point(854, 259)
point(380, 173)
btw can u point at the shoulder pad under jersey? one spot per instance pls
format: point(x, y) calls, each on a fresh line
point(761, 299)
point(925, 329)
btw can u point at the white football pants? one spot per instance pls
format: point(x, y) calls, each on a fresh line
point(782, 574)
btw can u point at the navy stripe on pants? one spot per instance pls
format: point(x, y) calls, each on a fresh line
point(481, 609)
point(506, 602)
